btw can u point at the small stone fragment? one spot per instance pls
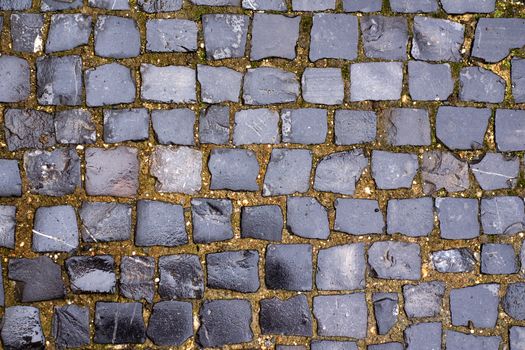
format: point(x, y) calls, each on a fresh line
point(91, 274)
point(181, 277)
point(323, 86)
point(256, 126)
point(262, 222)
point(481, 85)
point(173, 126)
point(343, 315)
point(442, 170)
point(119, 323)
point(26, 32)
point(158, 6)
point(55, 229)
point(386, 311)
point(168, 84)
point(424, 299)
point(71, 326)
point(495, 37)
point(75, 126)
point(116, 37)
point(136, 278)
point(307, 218)
point(28, 128)
point(211, 220)
point(341, 267)
point(21, 328)
point(429, 81)
point(424, 336)
point(170, 323)
point(358, 216)
point(453, 260)
point(126, 125)
point(339, 172)
point(462, 127)
point(177, 169)
point(458, 217)
point(496, 171)
point(395, 260)
point(105, 222)
point(7, 226)
point(233, 169)
point(354, 127)
point(289, 267)
point(214, 125)
point(265, 85)
point(160, 223)
point(267, 27)
point(413, 217)
point(461, 341)
point(414, 6)
point(513, 302)
point(376, 81)
point(286, 317)
point(219, 84)
point(509, 125)
point(109, 84)
point(393, 170)
point(437, 39)
point(225, 35)
point(498, 259)
point(304, 125)
point(333, 36)
point(476, 305)
point(233, 270)
point(59, 80)
point(14, 79)
point(468, 6)
point(171, 35)
point(518, 80)
point(503, 215)
point(10, 180)
point(385, 37)
point(313, 5)
point(288, 172)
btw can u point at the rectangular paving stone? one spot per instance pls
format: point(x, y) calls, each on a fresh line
point(219, 84)
point(171, 323)
point(112, 77)
point(313, 5)
point(458, 217)
point(424, 299)
point(10, 179)
point(304, 125)
point(233, 270)
point(110, 4)
point(453, 260)
point(57, 5)
point(462, 127)
point(443, 170)
point(518, 79)
point(481, 85)
point(262, 86)
point(59, 80)
point(14, 79)
point(423, 336)
point(158, 6)
point(393, 170)
point(306, 217)
point(256, 126)
point(126, 125)
point(414, 6)
point(477, 305)
point(509, 125)
point(289, 267)
point(75, 126)
point(429, 81)
point(386, 311)
point(91, 274)
point(27, 32)
point(354, 126)
point(7, 226)
point(385, 37)
point(136, 280)
point(386, 346)
point(341, 267)
point(343, 315)
point(170, 84)
point(262, 222)
point(496, 171)
point(375, 81)
point(333, 344)
point(119, 323)
point(181, 277)
point(461, 341)
point(395, 260)
point(116, 37)
point(333, 36)
point(267, 27)
point(211, 220)
point(233, 169)
point(225, 35)
point(437, 39)
point(413, 217)
point(28, 128)
point(495, 37)
point(71, 326)
point(174, 126)
point(498, 259)
point(15, 5)
point(288, 172)
point(105, 221)
point(214, 125)
point(271, 5)
point(177, 169)
point(339, 172)
point(323, 86)
point(504, 215)
point(160, 224)
point(468, 6)
point(20, 321)
point(290, 316)
point(171, 35)
point(358, 216)
point(55, 229)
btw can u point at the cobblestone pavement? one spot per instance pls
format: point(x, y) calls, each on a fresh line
point(262, 174)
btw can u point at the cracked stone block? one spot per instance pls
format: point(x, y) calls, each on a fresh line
point(393, 170)
point(171, 35)
point(267, 85)
point(518, 79)
point(136, 278)
point(177, 169)
point(170, 323)
point(376, 81)
point(169, 84)
point(14, 79)
point(517, 338)
point(461, 341)
point(333, 345)
point(513, 301)
point(313, 5)
point(429, 81)
point(7, 226)
point(59, 80)
point(265, 5)
point(395, 260)
point(234, 270)
point(156, 6)
point(509, 126)
point(105, 222)
point(354, 126)
point(112, 172)
point(75, 126)
point(233, 169)
point(496, 37)
point(386, 346)
point(225, 35)
point(304, 125)
point(55, 173)
point(181, 277)
point(386, 311)
point(442, 170)
point(160, 224)
point(27, 32)
point(333, 36)
point(55, 229)
point(109, 84)
point(212, 220)
point(28, 128)
point(71, 326)
point(262, 222)
point(256, 126)
point(424, 299)
point(286, 316)
point(126, 125)
point(15, 5)
point(219, 84)
point(423, 336)
point(288, 172)
point(339, 172)
point(37, 279)
point(21, 328)
point(358, 216)
point(413, 217)
point(341, 267)
point(307, 218)
point(116, 37)
point(458, 217)
point(110, 4)
point(91, 274)
point(119, 323)
point(267, 27)
point(343, 315)
point(59, 5)
point(462, 127)
point(496, 171)
point(475, 305)
point(503, 215)
point(498, 259)
point(323, 86)
point(173, 126)
point(481, 85)
point(453, 260)
point(437, 39)
point(224, 322)
point(10, 180)
point(214, 125)
point(385, 37)
point(414, 6)
point(362, 5)
point(289, 267)
point(468, 6)
point(407, 127)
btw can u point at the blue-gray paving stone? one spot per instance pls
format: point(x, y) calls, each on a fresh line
point(313, 5)
point(27, 32)
point(290, 347)
point(453, 260)
point(354, 127)
point(109, 84)
point(268, 85)
point(437, 39)
point(119, 323)
point(414, 6)
point(75, 126)
point(423, 336)
point(468, 6)
point(36, 279)
point(262, 222)
point(171, 35)
point(495, 37)
point(462, 341)
point(219, 84)
point(256, 126)
point(442, 170)
point(265, 5)
point(288, 172)
point(211, 220)
point(173, 126)
point(169, 84)
point(413, 217)
point(110, 4)
point(517, 338)
point(7, 226)
point(156, 6)
point(214, 125)
point(21, 328)
point(126, 125)
point(70, 326)
point(395, 260)
point(170, 323)
point(358, 216)
point(386, 346)
point(386, 311)
point(15, 5)
point(458, 217)
point(91, 274)
point(424, 299)
point(385, 37)
point(323, 86)
point(343, 315)
point(55, 229)
point(304, 125)
point(333, 345)
point(10, 180)
point(307, 218)
point(333, 36)
point(498, 259)
point(217, 2)
point(181, 277)
point(28, 128)
point(59, 5)
point(517, 72)
point(267, 27)
point(14, 79)
point(393, 170)
point(513, 302)
point(160, 224)
point(475, 305)
point(225, 322)
point(477, 84)
point(376, 81)
point(177, 169)
point(503, 215)
point(362, 5)
point(339, 172)
point(341, 267)
point(136, 277)
point(496, 171)
point(462, 127)
point(59, 80)
point(225, 35)
point(233, 270)
point(509, 126)
point(116, 37)
point(289, 267)
point(233, 169)
point(429, 81)
point(286, 316)
point(407, 127)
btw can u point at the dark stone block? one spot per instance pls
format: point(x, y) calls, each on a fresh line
point(119, 323)
point(21, 328)
point(343, 315)
point(214, 125)
point(171, 35)
point(14, 79)
point(495, 37)
point(225, 35)
point(481, 85)
point(160, 223)
point(333, 345)
point(28, 128)
point(234, 270)
point(91, 274)
point(333, 36)
point(385, 37)
point(26, 32)
point(267, 27)
point(358, 216)
point(288, 172)
point(112, 77)
point(105, 221)
point(10, 180)
point(362, 5)
point(7, 226)
point(442, 170)
point(59, 5)
point(126, 125)
point(136, 277)
point(386, 311)
point(233, 169)
point(514, 302)
point(289, 267)
point(518, 79)
point(468, 6)
point(437, 39)
point(313, 5)
point(424, 336)
point(181, 276)
point(458, 217)
point(462, 127)
point(286, 317)
point(453, 260)
point(71, 326)
point(262, 222)
point(476, 305)
point(339, 172)
point(517, 338)
point(353, 127)
point(174, 126)
point(55, 229)
point(413, 217)
point(110, 4)
point(171, 323)
point(211, 220)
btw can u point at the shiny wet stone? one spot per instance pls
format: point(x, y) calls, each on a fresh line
point(119, 323)
point(22, 329)
point(91, 274)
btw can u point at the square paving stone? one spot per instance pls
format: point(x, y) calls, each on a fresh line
point(288, 172)
point(126, 125)
point(136, 278)
point(307, 218)
point(333, 345)
point(476, 305)
point(59, 5)
point(235, 3)
point(59, 80)
point(376, 81)
point(177, 169)
point(481, 85)
point(214, 125)
point(171, 35)
point(75, 126)
point(211, 219)
point(517, 338)
point(270, 5)
point(386, 346)
point(71, 326)
point(7, 226)
point(219, 84)
point(27, 32)
point(413, 217)
point(225, 322)
point(256, 126)
point(442, 170)
point(15, 5)
point(461, 341)
point(339, 172)
point(28, 128)
point(304, 125)
point(496, 171)
point(170, 323)
point(10, 180)
point(333, 36)
point(354, 127)
point(55, 229)
point(21, 328)
point(395, 260)
point(112, 172)
point(323, 86)
point(393, 170)
point(110, 4)
point(513, 301)
point(169, 84)
point(14, 79)
point(156, 6)
point(343, 315)
point(462, 127)
point(518, 79)
point(498, 259)
point(289, 267)
point(385, 37)
point(268, 85)
point(91, 274)
point(225, 35)
point(495, 37)
point(105, 222)
point(267, 27)
point(414, 6)
point(109, 84)
point(174, 126)
point(386, 311)
point(453, 260)
point(262, 222)
point(286, 316)
point(424, 299)
point(407, 127)
point(509, 126)
point(503, 215)
point(235, 270)
point(468, 6)
point(233, 169)
point(358, 216)
point(362, 5)
point(116, 37)
point(429, 81)
point(313, 5)
point(119, 323)
point(341, 267)
point(437, 39)
point(181, 277)
point(160, 223)
point(424, 336)
point(458, 217)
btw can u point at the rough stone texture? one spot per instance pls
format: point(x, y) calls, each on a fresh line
point(125, 125)
point(59, 80)
point(502, 215)
point(71, 326)
point(517, 338)
point(496, 171)
point(442, 170)
point(495, 37)
point(110, 4)
point(341, 315)
point(341, 267)
point(177, 169)
point(386, 346)
point(477, 305)
point(27, 32)
point(214, 125)
point(498, 259)
point(119, 323)
point(173, 126)
point(333, 36)
point(386, 311)
point(358, 216)
point(266, 28)
point(181, 277)
point(136, 277)
point(14, 79)
point(429, 81)
point(256, 126)
point(333, 345)
point(286, 316)
point(225, 35)
point(513, 302)
point(91, 274)
point(413, 6)
point(510, 124)
point(171, 35)
point(481, 85)
point(462, 127)
point(354, 127)
point(412, 217)
point(461, 341)
point(468, 6)
point(288, 172)
point(75, 126)
point(112, 77)
point(458, 217)
point(15, 5)
point(339, 172)
point(385, 37)
point(393, 170)
point(424, 299)
point(58, 5)
point(116, 37)
point(262, 222)
point(160, 223)
point(304, 125)
point(407, 127)
point(171, 323)
point(437, 39)
point(233, 169)
point(211, 220)
point(306, 217)
point(234, 270)
point(105, 222)
point(272, 5)
point(375, 81)
point(55, 229)
point(453, 260)
point(169, 84)
point(21, 328)
point(7, 226)
point(28, 128)
point(267, 85)
point(323, 86)
point(10, 180)
point(395, 260)
point(219, 84)
point(156, 6)
point(423, 336)
point(518, 79)
point(289, 267)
